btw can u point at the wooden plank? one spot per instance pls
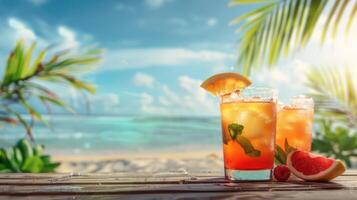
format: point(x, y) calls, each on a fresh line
point(169, 188)
point(59, 176)
point(144, 180)
point(48, 179)
point(276, 195)
point(107, 185)
point(104, 175)
point(120, 175)
point(124, 174)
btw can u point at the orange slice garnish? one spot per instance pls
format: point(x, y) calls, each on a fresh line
point(225, 83)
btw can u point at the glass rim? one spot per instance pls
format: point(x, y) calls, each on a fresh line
point(255, 94)
point(299, 101)
point(260, 91)
point(259, 88)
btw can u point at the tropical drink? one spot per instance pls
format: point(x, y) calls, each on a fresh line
point(248, 126)
point(248, 130)
point(294, 124)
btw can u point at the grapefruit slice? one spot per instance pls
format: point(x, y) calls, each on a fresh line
point(312, 167)
point(225, 83)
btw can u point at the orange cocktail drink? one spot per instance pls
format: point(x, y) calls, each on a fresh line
point(248, 130)
point(294, 124)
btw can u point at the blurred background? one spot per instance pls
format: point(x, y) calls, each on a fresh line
point(149, 60)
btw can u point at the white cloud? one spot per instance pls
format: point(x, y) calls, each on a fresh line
point(145, 80)
point(38, 2)
point(189, 100)
point(107, 103)
point(278, 76)
point(156, 3)
point(101, 103)
point(212, 21)
point(147, 105)
point(44, 34)
point(288, 78)
point(196, 98)
point(68, 37)
point(170, 96)
point(151, 57)
point(21, 30)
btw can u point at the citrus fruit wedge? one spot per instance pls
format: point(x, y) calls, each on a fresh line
point(225, 83)
point(312, 167)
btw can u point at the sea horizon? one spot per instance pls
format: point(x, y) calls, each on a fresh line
point(110, 134)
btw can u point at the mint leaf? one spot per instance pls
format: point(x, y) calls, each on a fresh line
point(247, 146)
point(288, 148)
point(235, 130)
point(280, 155)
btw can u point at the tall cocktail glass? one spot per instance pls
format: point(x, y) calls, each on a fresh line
point(294, 123)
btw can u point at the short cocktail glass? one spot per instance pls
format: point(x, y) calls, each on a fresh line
point(294, 123)
point(248, 130)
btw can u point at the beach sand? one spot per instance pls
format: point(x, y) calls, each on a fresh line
point(151, 162)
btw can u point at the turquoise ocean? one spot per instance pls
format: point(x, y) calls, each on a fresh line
point(101, 135)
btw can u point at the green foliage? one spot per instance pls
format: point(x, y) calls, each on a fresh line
point(277, 27)
point(336, 140)
point(24, 80)
point(335, 94)
point(24, 157)
point(282, 154)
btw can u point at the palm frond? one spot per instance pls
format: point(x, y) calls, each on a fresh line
point(279, 27)
point(19, 119)
point(21, 83)
point(334, 92)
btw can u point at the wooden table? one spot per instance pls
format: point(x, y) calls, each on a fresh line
point(171, 185)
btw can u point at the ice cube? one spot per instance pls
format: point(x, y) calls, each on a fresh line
point(253, 123)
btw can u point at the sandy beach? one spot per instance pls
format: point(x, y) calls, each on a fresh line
point(150, 162)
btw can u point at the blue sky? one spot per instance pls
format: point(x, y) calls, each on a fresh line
point(157, 51)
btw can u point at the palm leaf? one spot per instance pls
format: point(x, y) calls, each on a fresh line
point(9, 120)
point(352, 16)
point(276, 28)
point(329, 19)
point(339, 16)
point(26, 65)
point(70, 62)
point(40, 89)
point(30, 109)
point(21, 120)
point(74, 82)
point(37, 63)
point(52, 100)
point(21, 80)
point(334, 92)
point(20, 57)
point(12, 65)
